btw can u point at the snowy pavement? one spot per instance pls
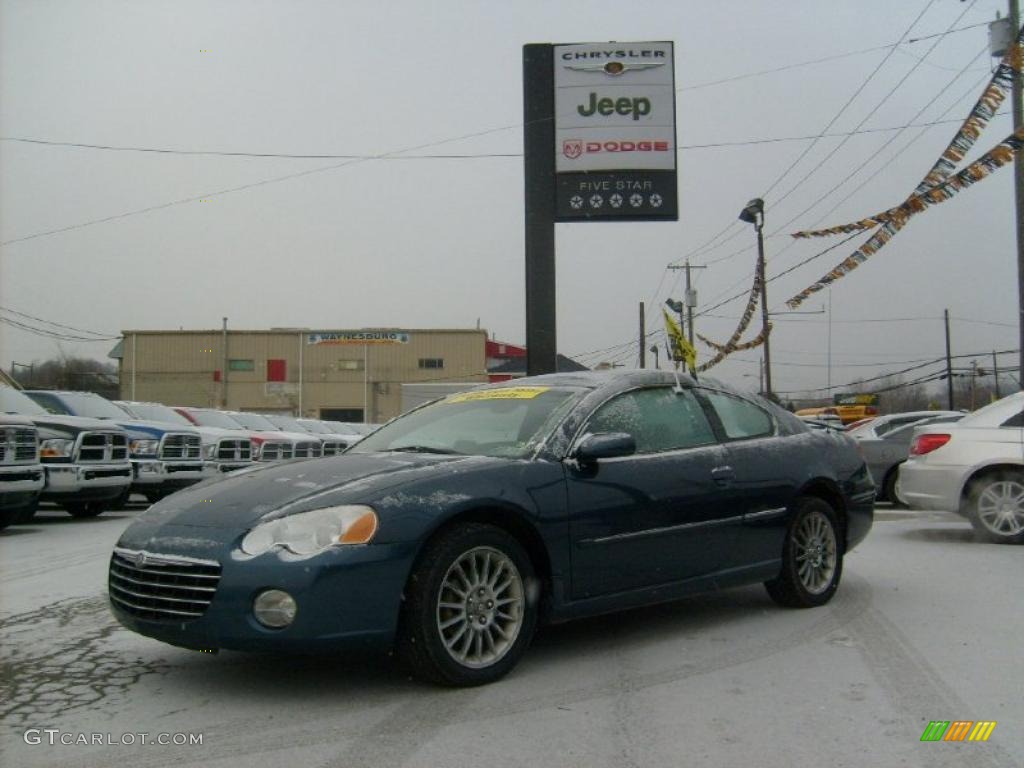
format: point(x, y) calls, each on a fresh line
point(926, 625)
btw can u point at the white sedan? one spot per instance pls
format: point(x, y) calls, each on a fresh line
point(974, 467)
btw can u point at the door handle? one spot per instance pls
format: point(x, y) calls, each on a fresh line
point(723, 476)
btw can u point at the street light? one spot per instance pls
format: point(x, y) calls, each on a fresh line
point(753, 213)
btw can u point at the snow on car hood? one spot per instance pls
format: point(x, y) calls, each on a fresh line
point(240, 500)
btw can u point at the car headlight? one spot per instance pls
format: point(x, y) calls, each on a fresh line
point(144, 447)
point(308, 533)
point(210, 451)
point(56, 448)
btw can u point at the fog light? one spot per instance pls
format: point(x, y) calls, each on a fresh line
point(274, 608)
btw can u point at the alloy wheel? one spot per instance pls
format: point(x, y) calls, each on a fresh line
point(815, 552)
point(1001, 507)
point(480, 607)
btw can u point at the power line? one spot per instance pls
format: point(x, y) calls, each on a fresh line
point(824, 59)
point(252, 185)
point(732, 224)
point(103, 337)
point(452, 156)
point(860, 186)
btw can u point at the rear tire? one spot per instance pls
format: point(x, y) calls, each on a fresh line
point(470, 607)
point(995, 507)
point(812, 557)
point(891, 489)
point(85, 509)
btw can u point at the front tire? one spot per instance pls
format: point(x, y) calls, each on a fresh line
point(470, 608)
point(995, 507)
point(812, 557)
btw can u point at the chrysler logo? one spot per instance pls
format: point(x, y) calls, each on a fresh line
point(615, 68)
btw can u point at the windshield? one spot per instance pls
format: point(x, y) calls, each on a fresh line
point(287, 423)
point(156, 412)
point(506, 422)
point(315, 426)
point(13, 401)
point(85, 404)
point(340, 428)
point(255, 421)
point(214, 419)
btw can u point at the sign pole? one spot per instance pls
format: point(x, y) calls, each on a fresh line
point(539, 174)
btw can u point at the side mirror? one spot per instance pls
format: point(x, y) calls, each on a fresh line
point(607, 445)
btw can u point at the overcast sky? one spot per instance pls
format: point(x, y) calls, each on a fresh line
point(413, 242)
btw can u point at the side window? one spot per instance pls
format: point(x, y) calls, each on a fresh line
point(658, 419)
point(739, 418)
point(1017, 420)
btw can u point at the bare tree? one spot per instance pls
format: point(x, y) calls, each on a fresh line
point(76, 373)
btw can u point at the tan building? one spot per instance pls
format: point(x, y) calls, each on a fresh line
point(340, 375)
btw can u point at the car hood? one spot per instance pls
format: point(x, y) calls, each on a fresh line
point(238, 501)
point(65, 426)
point(219, 433)
point(154, 429)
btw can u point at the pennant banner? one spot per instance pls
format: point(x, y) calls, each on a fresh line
point(977, 120)
point(980, 115)
point(730, 345)
point(894, 219)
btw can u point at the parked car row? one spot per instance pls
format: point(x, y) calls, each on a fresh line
point(88, 454)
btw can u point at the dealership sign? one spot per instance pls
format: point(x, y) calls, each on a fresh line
point(615, 135)
point(357, 337)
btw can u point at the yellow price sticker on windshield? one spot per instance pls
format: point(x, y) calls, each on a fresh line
point(508, 393)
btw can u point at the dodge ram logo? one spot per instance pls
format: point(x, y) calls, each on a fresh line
point(572, 148)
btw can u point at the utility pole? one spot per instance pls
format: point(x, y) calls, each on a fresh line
point(224, 368)
point(829, 353)
point(974, 379)
point(949, 363)
point(1017, 101)
point(643, 338)
point(995, 373)
point(690, 300)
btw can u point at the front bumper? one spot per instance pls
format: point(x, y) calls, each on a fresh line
point(23, 478)
point(347, 598)
point(86, 481)
point(153, 474)
point(931, 487)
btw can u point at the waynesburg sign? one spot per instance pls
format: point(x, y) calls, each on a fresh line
point(615, 134)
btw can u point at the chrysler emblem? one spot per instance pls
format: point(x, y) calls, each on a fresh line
point(615, 68)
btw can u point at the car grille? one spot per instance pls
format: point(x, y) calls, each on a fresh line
point(176, 446)
point(276, 451)
point(18, 445)
point(234, 450)
point(333, 449)
point(102, 447)
point(162, 587)
point(307, 450)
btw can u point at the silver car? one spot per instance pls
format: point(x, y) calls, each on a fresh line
point(887, 445)
point(974, 468)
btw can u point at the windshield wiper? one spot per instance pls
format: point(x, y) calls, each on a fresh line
point(423, 449)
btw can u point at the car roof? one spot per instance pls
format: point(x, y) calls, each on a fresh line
point(614, 379)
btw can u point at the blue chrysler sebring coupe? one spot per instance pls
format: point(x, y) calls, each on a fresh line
point(450, 532)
